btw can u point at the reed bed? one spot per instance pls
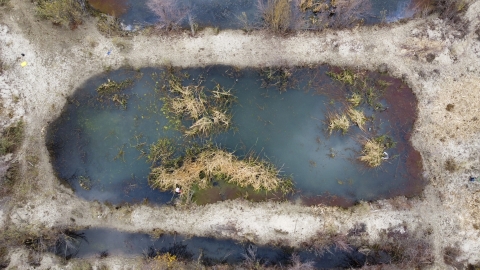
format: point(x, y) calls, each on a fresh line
point(198, 171)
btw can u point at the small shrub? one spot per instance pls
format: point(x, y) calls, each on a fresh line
point(276, 14)
point(450, 107)
point(4, 3)
point(451, 165)
point(11, 138)
point(62, 12)
point(169, 14)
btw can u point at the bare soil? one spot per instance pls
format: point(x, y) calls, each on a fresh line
point(440, 64)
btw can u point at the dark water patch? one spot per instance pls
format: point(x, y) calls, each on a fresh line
point(208, 251)
point(100, 146)
point(111, 7)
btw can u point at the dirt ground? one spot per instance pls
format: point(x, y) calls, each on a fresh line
point(60, 60)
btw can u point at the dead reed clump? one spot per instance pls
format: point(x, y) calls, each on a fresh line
point(208, 110)
point(372, 153)
point(276, 14)
point(337, 121)
point(357, 117)
point(199, 169)
point(111, 87)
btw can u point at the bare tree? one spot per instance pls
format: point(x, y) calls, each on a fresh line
point(170, 15)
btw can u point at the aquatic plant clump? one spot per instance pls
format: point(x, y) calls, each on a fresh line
point(357, 117)
point(199, 169)
point(338, 122)
point(208, 110)
point(355, 99)
point(373, 152)
point(111, 87)
point(345, 76)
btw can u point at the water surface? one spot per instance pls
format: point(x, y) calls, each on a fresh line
point(97, 146)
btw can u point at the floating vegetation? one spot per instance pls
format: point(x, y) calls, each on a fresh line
point(208, 110)
point(161, 151)
point(373, 152)
point(357, 117)
point(84, 182)
point(355, 99)
point(120, 100)
point(338, 121)
point(111, 87)
point(197, 169)
point(276, 76)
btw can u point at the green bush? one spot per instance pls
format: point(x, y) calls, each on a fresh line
point(62, 12)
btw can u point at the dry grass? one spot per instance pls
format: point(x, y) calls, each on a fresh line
point(357, 117)
point(276, 14)
point(199, 169)
point(170, 15)
point(338, 121)
point(62, 12)
point(208, 110)
point(372, 153)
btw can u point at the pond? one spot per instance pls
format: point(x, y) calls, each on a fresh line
point(100, 147)
point(100, 243)
point(240, 14)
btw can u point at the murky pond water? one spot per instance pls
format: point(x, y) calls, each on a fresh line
point(231, 14)
point(206, 251)
point(99, 147)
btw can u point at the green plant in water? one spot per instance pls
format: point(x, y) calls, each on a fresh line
point(276, 76)
point(355, 99)
point(112, 87)
point(357, 117)
point(346, 76)
point(161, 151)
point(62, 12)
point(338, 122)
point(11, 138)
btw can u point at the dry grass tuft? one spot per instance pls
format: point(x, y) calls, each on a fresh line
point(199, 169)
point(372, 153)
point(338, 121)
point(357, 117)
point(209, 110)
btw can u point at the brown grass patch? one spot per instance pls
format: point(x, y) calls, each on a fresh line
point(372, 153)
point(357, 117)
point(199, 169)
point(337, 121)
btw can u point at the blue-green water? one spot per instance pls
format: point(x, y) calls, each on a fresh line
point(99, 144)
